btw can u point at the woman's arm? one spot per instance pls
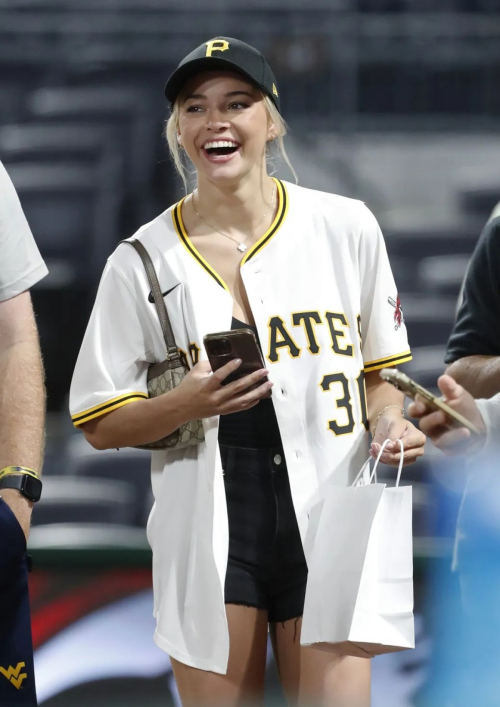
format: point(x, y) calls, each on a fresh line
point(201, 394)
point(391, 424)
point(379, 395)
point(137, 423)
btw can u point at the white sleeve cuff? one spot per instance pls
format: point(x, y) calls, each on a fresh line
point(490, 412)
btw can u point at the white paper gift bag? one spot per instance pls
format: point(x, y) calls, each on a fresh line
point(359, 596)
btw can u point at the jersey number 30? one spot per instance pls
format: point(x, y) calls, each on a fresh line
point(345, 401)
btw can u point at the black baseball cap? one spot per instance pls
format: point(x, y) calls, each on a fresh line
point(226, 54)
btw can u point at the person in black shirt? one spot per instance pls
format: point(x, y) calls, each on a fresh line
point(474, 346)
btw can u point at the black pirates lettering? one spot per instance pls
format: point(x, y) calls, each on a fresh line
point(307, 319)
point(280, 338)
point(336, 334)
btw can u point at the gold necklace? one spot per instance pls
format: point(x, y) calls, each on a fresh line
point(240, 244)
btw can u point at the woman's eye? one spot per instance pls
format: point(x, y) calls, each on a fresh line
point(238, 104)
point(194, 109)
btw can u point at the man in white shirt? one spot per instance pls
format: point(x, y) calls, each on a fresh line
point(22, 412)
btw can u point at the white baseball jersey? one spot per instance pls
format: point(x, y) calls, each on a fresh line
point(326, 309)
point(21, 264)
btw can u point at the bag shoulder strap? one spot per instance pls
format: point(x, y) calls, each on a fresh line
point(166, 327)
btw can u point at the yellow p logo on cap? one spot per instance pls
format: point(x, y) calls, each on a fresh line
point(216, 45)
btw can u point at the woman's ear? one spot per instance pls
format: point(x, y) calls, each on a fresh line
point(271, 130)
point(179, 139)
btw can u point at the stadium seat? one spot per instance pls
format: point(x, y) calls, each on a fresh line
point(442, 273)
point(29, 142)
point(130, 465)
point(428, 318)
point(29, 50)
point(10, 104)
point(480, 201)
point(126, 113)
point(67, 145)
point(415, 244)
point(110, 60)
point(77, 500)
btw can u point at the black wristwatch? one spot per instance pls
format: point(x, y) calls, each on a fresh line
point(29, 486)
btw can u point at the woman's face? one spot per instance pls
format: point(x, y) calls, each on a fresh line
point(223, 126)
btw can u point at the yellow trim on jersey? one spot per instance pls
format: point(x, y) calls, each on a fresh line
point(268, 235)
point(393, 360)
point(281, 214)
point(186, 242)
point(80, 417)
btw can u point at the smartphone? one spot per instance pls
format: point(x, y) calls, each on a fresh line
point(225, 346)
point(410, 388)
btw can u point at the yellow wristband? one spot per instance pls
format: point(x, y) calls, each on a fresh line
point(8, 470)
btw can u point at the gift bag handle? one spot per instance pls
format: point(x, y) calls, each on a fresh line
point(373, 475)
point(400, 467)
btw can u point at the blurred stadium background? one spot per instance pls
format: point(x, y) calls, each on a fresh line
point(395, 102)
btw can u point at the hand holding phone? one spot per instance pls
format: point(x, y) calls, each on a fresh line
point(202, 393)
point(410, 388)
point(233, 379)
point(227, 346)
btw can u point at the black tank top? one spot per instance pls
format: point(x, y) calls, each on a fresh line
point(256, 427)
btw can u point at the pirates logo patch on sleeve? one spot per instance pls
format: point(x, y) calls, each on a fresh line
point(398, 312)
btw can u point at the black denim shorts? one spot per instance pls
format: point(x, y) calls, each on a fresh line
point(266, 565)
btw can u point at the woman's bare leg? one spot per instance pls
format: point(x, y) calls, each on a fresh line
point(243, 685)
point(285, 638)
point(316, 678)
point(333, 680)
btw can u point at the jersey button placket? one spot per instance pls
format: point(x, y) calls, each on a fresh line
point(251, 274)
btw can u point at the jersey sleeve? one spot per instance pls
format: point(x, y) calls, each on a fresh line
point(382, 328)
point(21, 263)
point(477, 329)
point(490, 412)
point(117, 350)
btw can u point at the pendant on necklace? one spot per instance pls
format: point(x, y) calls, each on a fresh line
point(242, 247)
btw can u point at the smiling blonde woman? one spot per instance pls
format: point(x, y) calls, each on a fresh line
point(308, 272)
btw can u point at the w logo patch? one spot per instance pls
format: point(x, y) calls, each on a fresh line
point(14, 675)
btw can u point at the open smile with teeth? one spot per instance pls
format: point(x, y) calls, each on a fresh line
point(220, 150)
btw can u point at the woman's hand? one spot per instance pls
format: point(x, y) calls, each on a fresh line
point(445, 436)
point(392, 426)
point(203, 394)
